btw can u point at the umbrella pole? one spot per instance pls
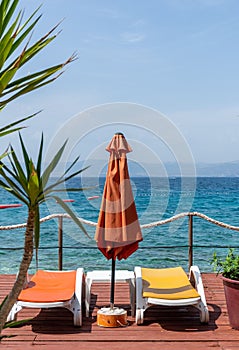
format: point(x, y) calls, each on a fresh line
point(112, 290)
point(112, 317)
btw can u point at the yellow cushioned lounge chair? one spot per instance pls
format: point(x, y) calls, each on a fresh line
point(49, 289)
point(169, 287)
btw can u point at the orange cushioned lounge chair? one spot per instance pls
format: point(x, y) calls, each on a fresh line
point(169, 287)
point(48, 289)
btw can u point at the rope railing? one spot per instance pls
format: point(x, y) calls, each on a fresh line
point(143, 226)
point(190, 216)
point(47, 218)
point(182, 215)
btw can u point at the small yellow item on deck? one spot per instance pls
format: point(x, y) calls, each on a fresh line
point(169, 283)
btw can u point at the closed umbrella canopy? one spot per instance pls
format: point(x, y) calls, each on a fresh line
point(118, 231)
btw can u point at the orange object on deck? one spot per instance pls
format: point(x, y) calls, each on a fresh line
point(49, 286)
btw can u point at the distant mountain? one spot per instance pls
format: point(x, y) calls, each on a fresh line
point(98, 168)
point(230, 169)
point(227, 169)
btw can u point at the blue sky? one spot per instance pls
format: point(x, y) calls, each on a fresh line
point(178, 57)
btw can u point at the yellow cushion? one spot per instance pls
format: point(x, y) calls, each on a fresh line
point(170, 283)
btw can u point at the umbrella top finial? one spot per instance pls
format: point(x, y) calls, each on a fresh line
point(118, 144)
point(119, 134)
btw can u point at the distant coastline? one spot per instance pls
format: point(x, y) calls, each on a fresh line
point(168, 169)
point(229, 169)
point(98, 168)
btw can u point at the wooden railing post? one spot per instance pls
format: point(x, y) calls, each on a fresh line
point(190, 240)
point(60, 242)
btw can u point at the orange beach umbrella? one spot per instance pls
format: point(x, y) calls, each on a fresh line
point(118, 231)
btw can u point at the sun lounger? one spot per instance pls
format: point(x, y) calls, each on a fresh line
point(169, 287)
point(49, 289)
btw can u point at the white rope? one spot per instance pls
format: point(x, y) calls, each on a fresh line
point(144, 226)
point(216, 222)
point(47, 218)
point(181, 215)
point(166, 221)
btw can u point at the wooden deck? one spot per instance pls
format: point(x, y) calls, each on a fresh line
point(163, 328)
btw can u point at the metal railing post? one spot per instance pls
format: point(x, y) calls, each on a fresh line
point(60, 242)
point(190, 240)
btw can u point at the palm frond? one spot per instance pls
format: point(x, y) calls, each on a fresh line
point(20, 39)
point(8, 129)
point(38, 83)
point(16, 192)
point(71, 213)
point(18, 122)
point(39, 160)
point(71, 165)
point(15, 185)
point(13, 32)
point(62, 180)
point(12, 324)
point(3, 155)
point(7, 42)
point(25, 157)
point(46, 174)
point(4, 170)
point(6, 14)
point(68, 169)
point(33, 184)
point(76, 173)
point(19, 172)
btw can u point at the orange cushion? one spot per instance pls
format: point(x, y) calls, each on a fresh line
point(170, 283)
point(49, 286)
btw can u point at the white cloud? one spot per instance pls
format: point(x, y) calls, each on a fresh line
point(109, 13)
point(138, 23)
point(131, 37)
point(198, 2)
point(211, 2)
point(92, 38)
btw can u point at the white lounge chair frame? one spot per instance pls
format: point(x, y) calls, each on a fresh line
point(200, 303)
point(74, 304)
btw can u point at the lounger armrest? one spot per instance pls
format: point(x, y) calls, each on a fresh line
point(196, 280)
point(79, 282)
point(139, 287)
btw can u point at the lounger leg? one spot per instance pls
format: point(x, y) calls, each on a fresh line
point(77, 303)
point(77, 314)
point(204, 314)
point(196, 278)
point(140, 302)
point(88, 283)
point(139, 316)
point(132, 295)
point(12, 316)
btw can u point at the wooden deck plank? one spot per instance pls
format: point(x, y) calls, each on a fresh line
point(116, 346)
point(164, 328)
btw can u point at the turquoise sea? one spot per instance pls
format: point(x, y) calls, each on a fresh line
point(156, 199)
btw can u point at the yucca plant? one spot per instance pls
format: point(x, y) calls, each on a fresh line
point(16, 50)
point(31, 185)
